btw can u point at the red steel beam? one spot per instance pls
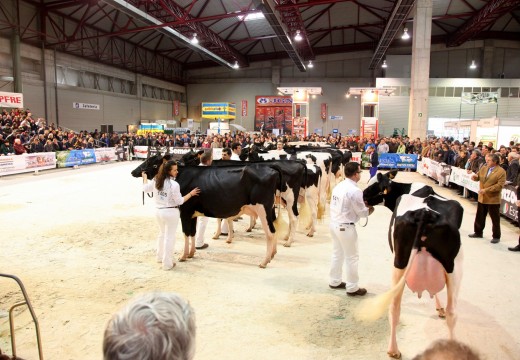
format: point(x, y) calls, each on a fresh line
point(484, 18)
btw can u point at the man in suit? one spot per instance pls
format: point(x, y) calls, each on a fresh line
point(492, 179)
point(374, 160)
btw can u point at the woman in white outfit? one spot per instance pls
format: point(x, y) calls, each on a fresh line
point(168, 198)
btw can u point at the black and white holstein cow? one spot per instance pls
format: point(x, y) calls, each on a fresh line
point(293, 174)
point(253, 193)
point(424, 237)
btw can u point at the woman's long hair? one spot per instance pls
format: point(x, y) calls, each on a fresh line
point(164, 173)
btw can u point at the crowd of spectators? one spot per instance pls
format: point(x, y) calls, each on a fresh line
point(21, 133)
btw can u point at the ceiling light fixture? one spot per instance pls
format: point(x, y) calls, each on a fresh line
point(348, 94)
point(298, 36)
point(236, 66)
point(310, 65)
point(473, 65)
point(194, 39)
point(384, 66)
point(405, 36)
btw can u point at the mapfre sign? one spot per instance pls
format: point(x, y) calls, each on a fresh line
point(11, 100)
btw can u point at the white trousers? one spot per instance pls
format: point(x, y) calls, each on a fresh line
point(168, 219)
point(202, 222)
point(225, 227)
point(344, 250)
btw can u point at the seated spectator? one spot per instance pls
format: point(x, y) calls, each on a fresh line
point(448, 350)
point(154, 326)
point(120, 151)
point(49, 146)
point(18, 147)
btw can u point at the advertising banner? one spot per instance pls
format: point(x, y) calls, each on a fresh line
point(75, 157)
point(508, 206)
point(141, 152)
point(462, 178)
point(479, 97)
point(82, 106)
point(218, 110)
point(176, 107)
point(105, 154)
point(323, 111)
point(397, 161)
point(11, 100)
point(244, 108)
point(16, 164)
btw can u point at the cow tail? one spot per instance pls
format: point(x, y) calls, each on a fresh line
point(375, 308)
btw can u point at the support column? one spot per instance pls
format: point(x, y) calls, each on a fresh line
point(487, 60)
point(17, 64)
point(420, 78)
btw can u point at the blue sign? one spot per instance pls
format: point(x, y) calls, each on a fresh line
point(397, 161)
point(334, 131)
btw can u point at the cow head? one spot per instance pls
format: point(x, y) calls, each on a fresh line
point(150, 166)
point(379, 186)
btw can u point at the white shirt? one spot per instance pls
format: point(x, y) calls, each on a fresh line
point(234, 157)
point(346, 203)
point(169, 196)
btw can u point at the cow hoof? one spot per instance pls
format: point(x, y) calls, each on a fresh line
point(215, 237)
point(262, 266)
point(441, 312)
point(190, 256)
point(182, 259)
point(248, 230)
point(229, 241)
point(310, 235)
point(287, 244)
point(392, 355)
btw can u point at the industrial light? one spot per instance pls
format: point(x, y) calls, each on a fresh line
point(348, 94)
point(235, 65)
point(298, 36)
point(384, 66)
point(473, 65)
point(194, 39)
point(310, 65)
point(405, 36)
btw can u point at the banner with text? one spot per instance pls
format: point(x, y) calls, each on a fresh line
point(16, 164)
point(75, 157)
point(397, 161)
point(11, 100)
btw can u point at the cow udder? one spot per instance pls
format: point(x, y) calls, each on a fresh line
point(426, 273)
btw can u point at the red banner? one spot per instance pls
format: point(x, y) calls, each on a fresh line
point(244, 107)
point(176, 107)
point(323, 111)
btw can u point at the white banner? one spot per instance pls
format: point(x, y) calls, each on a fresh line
point(16, 164)
point(462, 178)
point(11, 100)
point(435, 170)
point(105, 154)
point(82, 106)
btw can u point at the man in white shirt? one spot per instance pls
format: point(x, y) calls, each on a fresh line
point(236, 150)
point(346, 208)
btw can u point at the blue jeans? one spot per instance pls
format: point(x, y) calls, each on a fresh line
point(373, 171)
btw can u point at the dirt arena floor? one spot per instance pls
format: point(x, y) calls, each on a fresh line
point(83, 244)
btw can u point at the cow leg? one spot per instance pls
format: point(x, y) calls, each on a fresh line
point(452, 286)
point(192, 246)
point(230, 230)
point(218, 231)
point(312, 200)
point(185, 253)
point(393, 316)
point(252, 222)
point(293, 220)
point(439, 308)
point(271, 247)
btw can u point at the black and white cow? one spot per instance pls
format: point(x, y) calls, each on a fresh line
point(424, 237)
point(226, 192)
point(293, 176)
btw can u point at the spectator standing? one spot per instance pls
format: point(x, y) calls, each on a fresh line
point(492, 178)
point(374, 161)
point(512, 170)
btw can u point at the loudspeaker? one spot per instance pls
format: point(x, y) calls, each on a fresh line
point(107, 129)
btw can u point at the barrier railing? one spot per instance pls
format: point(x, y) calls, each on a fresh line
point(33, 315)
